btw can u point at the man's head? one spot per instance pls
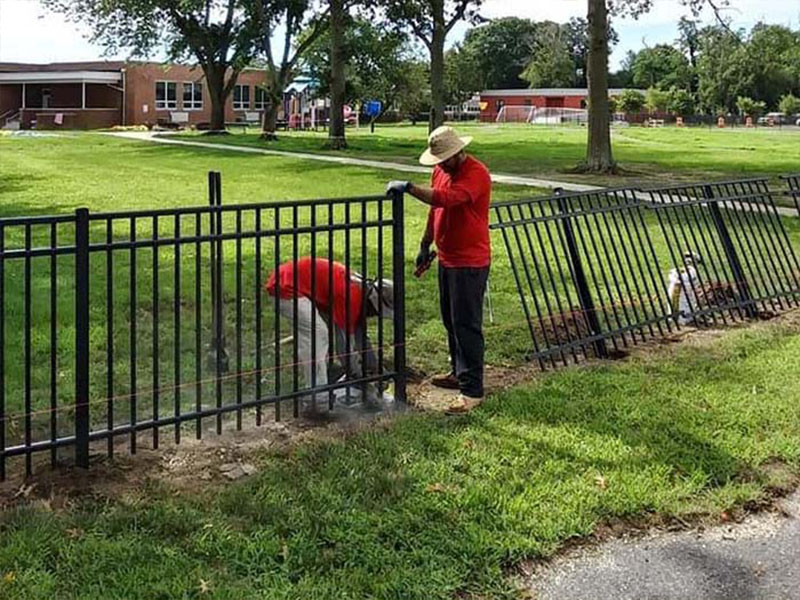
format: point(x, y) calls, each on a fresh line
point(445, 148)
point(379, 296)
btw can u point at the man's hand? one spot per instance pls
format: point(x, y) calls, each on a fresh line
point(422, 256)
point(397, 187)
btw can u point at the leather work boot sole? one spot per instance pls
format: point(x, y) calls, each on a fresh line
point(447, 382)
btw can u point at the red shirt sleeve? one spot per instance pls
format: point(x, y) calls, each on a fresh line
point(452, 195)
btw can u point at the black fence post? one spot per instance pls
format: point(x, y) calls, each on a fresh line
point(584, 294)
point(742, 287)
point(399, 279)
point(217, 358)
point(82, 338)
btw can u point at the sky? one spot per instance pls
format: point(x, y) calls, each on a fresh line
point(29, 34)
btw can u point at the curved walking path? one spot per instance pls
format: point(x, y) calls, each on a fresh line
point(347, 160)
point(148, 136)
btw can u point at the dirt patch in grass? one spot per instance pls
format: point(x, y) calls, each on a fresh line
point(191, 466)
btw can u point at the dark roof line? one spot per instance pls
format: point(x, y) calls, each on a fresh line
point(96, 65)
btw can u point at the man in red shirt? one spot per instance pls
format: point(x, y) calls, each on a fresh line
point(458, 222)
point(344, 306)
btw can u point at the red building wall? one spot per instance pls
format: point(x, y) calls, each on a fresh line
point(140, 91)
point(495, 103)
point(104, 103)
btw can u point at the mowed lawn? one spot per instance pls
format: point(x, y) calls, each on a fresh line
point(434, 508)
point(660, 155)
point(425, 506)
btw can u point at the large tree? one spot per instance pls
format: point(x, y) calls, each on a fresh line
point(379, 65)
point(499, 51)
point(689, 42)
point(290, 18)
point(724, 70)
point(219, 35)
point(552, 61)
point(599, 157)
point(339, 18)
point(661, 66)
point(431, 21)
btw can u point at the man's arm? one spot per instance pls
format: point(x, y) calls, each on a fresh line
point(443, 197)
point(427, 236)
point(450, 196)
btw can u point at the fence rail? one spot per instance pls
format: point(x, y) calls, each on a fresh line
point(113, 325)
point(598, 272)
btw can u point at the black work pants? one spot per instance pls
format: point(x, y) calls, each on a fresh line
point(461, 293)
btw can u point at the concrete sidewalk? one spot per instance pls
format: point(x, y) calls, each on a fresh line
point(148, 136)
point(758, 558)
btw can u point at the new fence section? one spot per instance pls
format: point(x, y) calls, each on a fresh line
point(123, 328)
point(599, 272)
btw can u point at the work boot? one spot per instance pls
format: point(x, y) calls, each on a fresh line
point(462, 405)
point(448, 382)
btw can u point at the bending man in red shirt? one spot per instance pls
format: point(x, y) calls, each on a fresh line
point(344, 305)
point(458, 222)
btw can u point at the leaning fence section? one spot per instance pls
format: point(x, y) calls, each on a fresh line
point(586, 271)
point(122, 328)
point(598, 272)
point(793, 189)
point(729, 245)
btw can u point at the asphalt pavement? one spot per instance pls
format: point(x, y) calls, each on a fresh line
point(758, 558)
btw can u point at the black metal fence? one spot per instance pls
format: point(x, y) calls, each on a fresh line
point(793, 189)
point(586, 272)
point(116, 326)
point(598, 272)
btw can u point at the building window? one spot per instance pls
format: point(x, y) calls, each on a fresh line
point(166, 95)
point(261, 99)
point(192, 96)
point(241, 97)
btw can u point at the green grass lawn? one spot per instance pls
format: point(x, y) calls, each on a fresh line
point(648, 155)
point(428, 507)
point(55, 175)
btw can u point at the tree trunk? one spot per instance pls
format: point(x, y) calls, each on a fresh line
point(336, 130)
point(437, 68)
point(598, 151)
point(270, 124)
point(215, 78)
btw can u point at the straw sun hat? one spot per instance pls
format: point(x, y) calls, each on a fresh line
point(443, 143)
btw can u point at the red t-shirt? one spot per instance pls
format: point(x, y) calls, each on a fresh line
point(461, 214)
point(323, 296)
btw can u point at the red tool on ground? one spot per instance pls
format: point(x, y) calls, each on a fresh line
point(426, 265)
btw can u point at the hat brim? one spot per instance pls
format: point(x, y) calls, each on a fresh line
point(429, 159)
